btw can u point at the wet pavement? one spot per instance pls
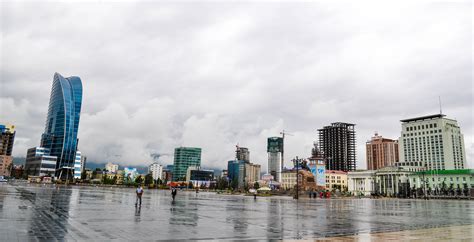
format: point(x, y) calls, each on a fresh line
point(37, 212)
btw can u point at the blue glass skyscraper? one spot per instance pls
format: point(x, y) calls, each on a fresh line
point(62, 123)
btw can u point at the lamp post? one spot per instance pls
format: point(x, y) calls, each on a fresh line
point(296, 163)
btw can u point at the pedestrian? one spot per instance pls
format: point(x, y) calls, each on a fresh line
point(139, 192)
point(255, 195)
point(173, 192)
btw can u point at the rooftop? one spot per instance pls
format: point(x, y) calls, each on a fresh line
point(336, 172)
point(423, 118)
point(447, 172)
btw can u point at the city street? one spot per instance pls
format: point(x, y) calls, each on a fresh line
point(29, 212)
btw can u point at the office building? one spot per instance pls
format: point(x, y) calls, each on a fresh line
point(7, 138)
point(185, 157)
point(242, 154)
point(381, 152)
point(39, 162)
point(77, 165)
point(236, 172)
point(156, 171)
point(62, 123)
point(433, 142)
point(111, 167)
point(196, 174)
point(275, 150)
point(338, 145)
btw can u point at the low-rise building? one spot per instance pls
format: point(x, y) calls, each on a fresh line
point(39, 162)
point(433, 180)
point(336, 180)
point(288, 179)
point(361, 182)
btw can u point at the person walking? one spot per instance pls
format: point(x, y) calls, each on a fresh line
point(173, 192)
point(139, 192)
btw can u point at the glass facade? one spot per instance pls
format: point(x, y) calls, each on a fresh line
point(185, 157)
point(62, 123)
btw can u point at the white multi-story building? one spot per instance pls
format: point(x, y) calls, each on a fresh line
point(432, 142)
point(77, 165)
point(110, 167)
point(156, 171)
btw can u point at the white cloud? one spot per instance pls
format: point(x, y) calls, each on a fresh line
point(161, 75)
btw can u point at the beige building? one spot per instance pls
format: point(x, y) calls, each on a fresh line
point(288, 179)
point(110, 167)
point(381, 152)
point(336, 180)
point(252, 173)
point(434, 142)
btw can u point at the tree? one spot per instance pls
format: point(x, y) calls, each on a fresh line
point(83, 175)
point(114, 180)
point(148, 179)
point(234, 184)
point(256, 185)
point(138, 180)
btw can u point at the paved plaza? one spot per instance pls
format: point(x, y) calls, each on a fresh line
point(29, 212)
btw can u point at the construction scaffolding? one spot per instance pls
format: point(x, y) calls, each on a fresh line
point(338, 145)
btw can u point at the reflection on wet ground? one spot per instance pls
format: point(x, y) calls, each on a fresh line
point(77, 213)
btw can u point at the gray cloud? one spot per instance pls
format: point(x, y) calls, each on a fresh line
point(161, 75)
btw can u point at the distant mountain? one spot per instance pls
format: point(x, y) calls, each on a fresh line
point(19, 160)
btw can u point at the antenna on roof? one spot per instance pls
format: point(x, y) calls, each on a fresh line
point(440, 107)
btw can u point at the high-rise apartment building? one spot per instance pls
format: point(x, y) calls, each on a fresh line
point(7, 137)
point(242, 153)
point(433, 142)
point(156, 171)
point(252, 173)
point(185, 157)
point(275, 150)
point(338, 144)
point(381, 152)
point(62, 123)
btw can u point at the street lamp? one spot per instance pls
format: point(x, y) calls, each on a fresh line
point(296, 163)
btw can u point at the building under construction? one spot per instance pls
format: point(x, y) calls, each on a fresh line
point(338, 144)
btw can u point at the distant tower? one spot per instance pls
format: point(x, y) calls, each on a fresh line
point(274, 150)
point(338, 144)
point(242, 153)
point(381, 152)
point(62, 123)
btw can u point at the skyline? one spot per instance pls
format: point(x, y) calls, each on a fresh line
point(236, 75)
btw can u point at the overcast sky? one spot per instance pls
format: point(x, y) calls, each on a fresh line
point(161, 75)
